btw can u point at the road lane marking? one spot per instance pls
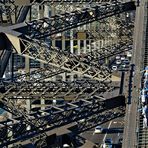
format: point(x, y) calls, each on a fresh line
point(107, 128)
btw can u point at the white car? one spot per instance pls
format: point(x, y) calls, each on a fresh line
point(114, 67)
point(117, 57)
point(118, 62)
point(82, 121)
point(122, 58)
point(143, 98)
point(129, 54)
point(66, 146)
point(98, 130)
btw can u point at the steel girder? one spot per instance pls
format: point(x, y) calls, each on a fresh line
point(51, 89)
point(10, 14)
point(15, 97)
point(69, 62)
point(76, 128)
point(121, 30)
point(43, 73)
point(50, 2)
point(95, 119)
point(86, 70)
point(9, 8)
point(14, 106)
point(105, 52)
point(47, 26)
point(7, 12)
point(88, 58)
point(55, 57)
point(25, 127)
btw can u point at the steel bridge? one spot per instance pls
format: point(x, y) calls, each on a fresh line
point(32, 39)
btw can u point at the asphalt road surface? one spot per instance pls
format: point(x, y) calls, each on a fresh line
point(112, 129)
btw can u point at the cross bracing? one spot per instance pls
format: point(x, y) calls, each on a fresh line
point(89, 58)
point(45, 120)
point(51, 2)
point(27, 35)
point(71, 19)
point(60, 59)
point(79, 127)
point(30, 125)
point(39, 51)
point(58, 23)
point(42, 73)
point(50, 89)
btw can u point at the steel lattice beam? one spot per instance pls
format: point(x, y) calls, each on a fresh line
point(55, 57)
point(47, 26)
point(10, 105)
point(121, 29)
point(89, 123)
point(43, 73)
point(50, 89)
point(69, 65)
point(17, 93)
point(105, 52)
point(51, 2)
point(44, 120)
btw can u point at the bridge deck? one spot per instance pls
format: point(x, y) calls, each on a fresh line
point(130, 138)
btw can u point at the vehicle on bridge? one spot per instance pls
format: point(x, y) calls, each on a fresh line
point(108, 143)
point(143, 98)
point(98, 130)
point(146, 73)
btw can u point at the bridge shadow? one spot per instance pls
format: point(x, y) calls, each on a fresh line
point(112, 131)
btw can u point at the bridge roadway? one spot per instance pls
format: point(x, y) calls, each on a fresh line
point(130, 138)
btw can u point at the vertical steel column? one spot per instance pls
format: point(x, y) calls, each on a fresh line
point(52, 14)
point(53, 11)
point(11, 65)
point(121, 83)
point(27, 70)
point(71, 49)
point(41, 13)
point(84, 41)
point(63, 48)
